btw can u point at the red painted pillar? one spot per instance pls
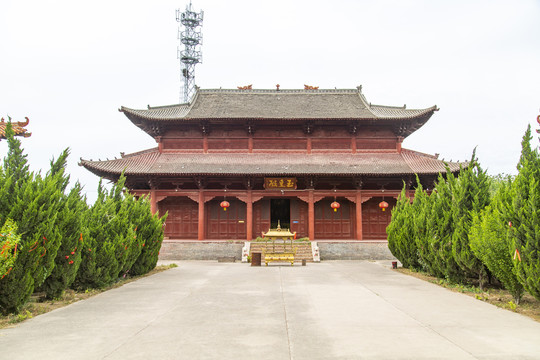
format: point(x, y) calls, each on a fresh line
point(359, 231)
point(249, 216)
point(201, 224)
point(205, 144)
point(153, 201)
point(311, 216)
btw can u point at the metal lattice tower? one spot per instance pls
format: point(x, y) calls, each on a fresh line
point(191, 38)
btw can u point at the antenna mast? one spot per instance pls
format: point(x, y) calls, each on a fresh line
point(191, 38)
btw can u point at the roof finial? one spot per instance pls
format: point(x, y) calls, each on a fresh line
point(359, 87)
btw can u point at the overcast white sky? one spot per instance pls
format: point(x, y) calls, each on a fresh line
point(69, 65)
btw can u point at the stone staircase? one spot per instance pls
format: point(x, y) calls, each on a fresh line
point(303, 249)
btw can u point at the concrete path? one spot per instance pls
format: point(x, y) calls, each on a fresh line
point(331, 310)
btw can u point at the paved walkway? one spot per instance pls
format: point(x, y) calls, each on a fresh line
point(331, 310)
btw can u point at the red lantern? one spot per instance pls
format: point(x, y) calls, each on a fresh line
point(224, 204)
point(335, 205)
point(383, 205)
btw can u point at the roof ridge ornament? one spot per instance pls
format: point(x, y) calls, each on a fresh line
point(309, 87)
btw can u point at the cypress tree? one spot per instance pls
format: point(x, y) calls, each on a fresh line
point(440, 229)
point(401, 241)
point(421, 209)
point(99, 254)
point(109, 239)
point(524, 216)
point(9, 246)
point(25, 199)
point(471, 195)
point(490, 242)
point(68, 258)
point(32, 202)
point(150, 230)
point(131, 246)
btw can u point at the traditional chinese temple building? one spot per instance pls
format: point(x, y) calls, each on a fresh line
point(232, 163)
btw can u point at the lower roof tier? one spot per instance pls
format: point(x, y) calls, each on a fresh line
point(152, 162)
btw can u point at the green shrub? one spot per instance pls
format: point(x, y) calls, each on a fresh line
point(149, 229)
point(470, 196)
point(524, 214)
point(9, 246)
point(401, 238)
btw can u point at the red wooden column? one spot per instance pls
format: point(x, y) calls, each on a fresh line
point(249, 216)
point(153, 201)
point(201, 223)
point(359, 230)
point(311, 215)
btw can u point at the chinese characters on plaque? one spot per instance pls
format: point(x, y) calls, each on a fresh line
point(280, 183)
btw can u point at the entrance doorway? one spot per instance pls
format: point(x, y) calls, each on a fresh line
point(280, 209)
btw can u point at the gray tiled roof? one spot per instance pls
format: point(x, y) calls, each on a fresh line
point(274, 104)
point(151, 162)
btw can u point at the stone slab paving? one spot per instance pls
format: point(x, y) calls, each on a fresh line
point(331, 310)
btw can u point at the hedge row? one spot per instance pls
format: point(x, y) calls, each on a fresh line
point(471, 226)
point(52, 240)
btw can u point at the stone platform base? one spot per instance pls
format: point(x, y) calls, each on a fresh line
point(329, 250)
point(200, 250)
point(354, 250)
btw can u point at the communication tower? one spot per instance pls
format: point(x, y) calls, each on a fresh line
point(190, 36)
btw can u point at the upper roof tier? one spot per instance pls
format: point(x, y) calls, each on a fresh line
point(221, 104)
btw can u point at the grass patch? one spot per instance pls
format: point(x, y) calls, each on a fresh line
point(38, 305)
point(529, 306)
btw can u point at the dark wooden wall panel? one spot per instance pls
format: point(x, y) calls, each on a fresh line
point(299, 217)
point(230, 224)
point(184, 144)
point(261, 217)
point(374, 220)
point(279, 144)
point(227, 143)
point(330, 224)
point(331, 143)
point(182, 220)
point(373, 144)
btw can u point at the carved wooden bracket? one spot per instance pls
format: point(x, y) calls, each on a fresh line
point(208, 198)
point(351, 198)
point(250, 128)
point(153, 183)
point(317, 198)
point(304, 198)
point(255, 198)
point(205, 127)
point(366, 198)
point(308, 127)
point(161, 197)
point(200, 181)
point(156, 129)
point(193, 197)
point(353, 128)
point(358, 182)
point(242, 198)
